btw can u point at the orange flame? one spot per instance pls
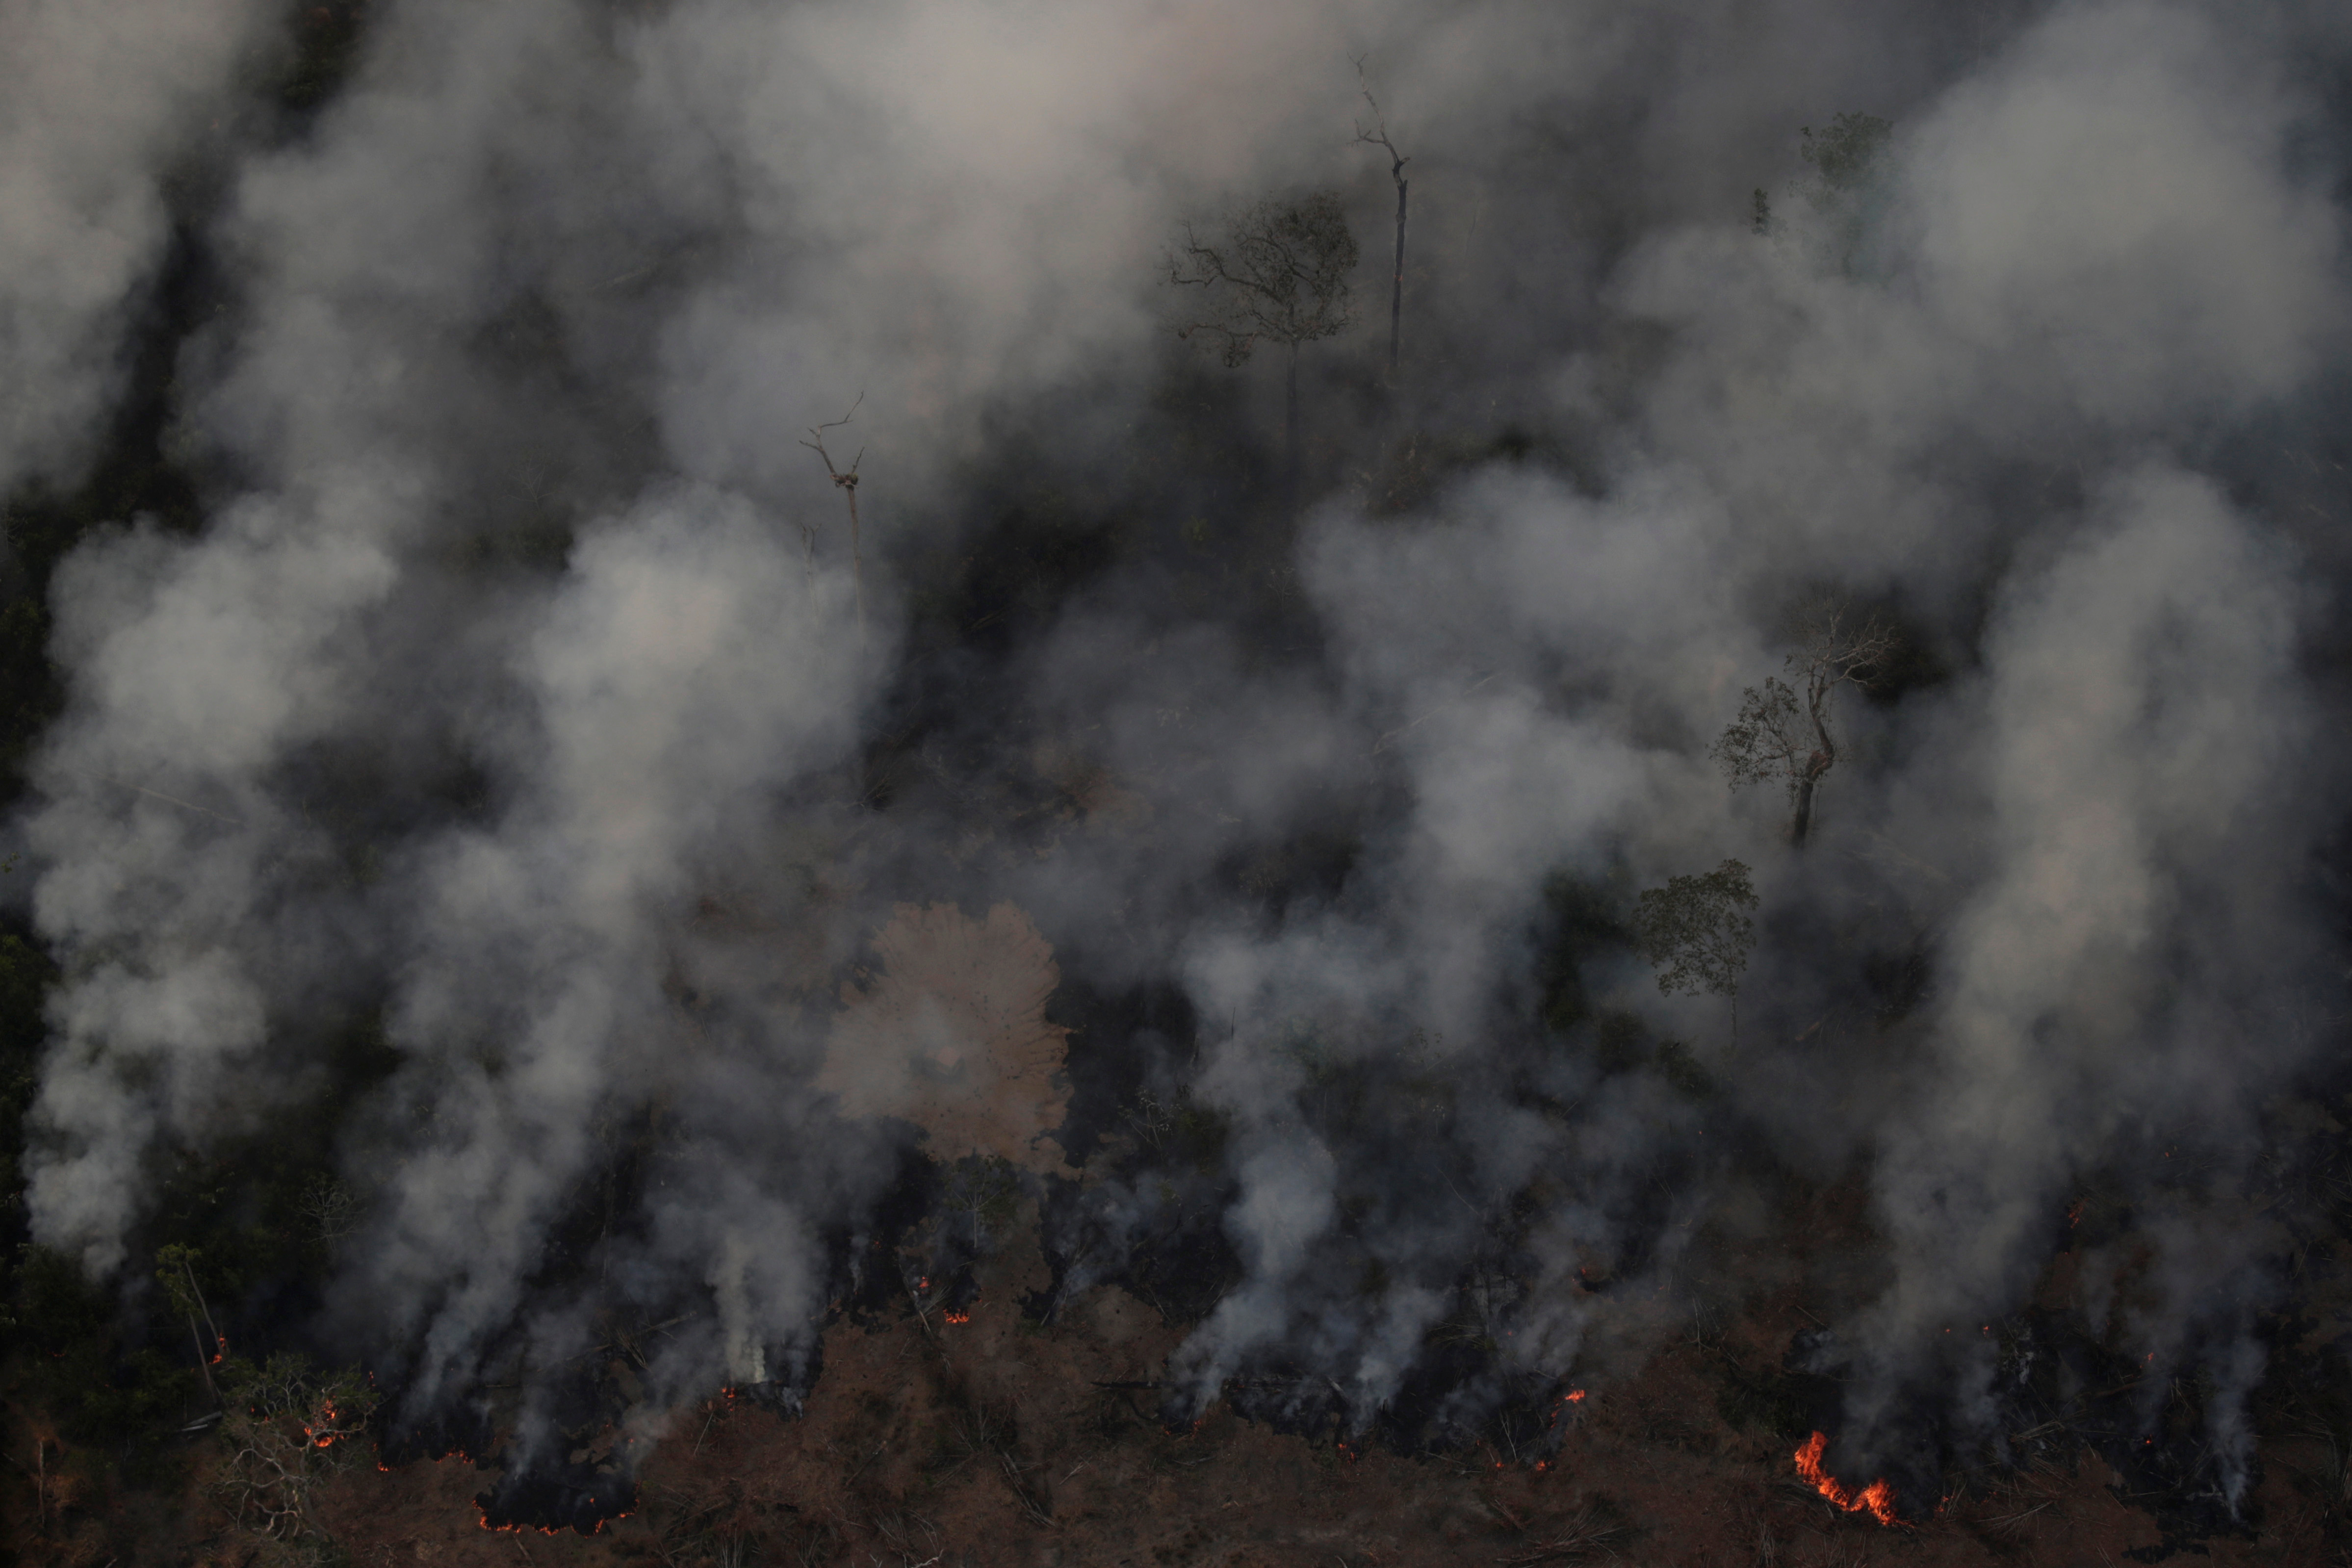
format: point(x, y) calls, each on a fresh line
point(958, 1317)
point(1878, 1499)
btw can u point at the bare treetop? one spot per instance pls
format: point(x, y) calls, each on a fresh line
point(1378, 136)
point(845, 480)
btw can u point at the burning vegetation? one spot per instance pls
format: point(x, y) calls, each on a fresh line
point(1154, 996)
point(1878, 1499)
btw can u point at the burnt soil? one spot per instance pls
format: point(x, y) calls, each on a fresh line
point(999, 1440)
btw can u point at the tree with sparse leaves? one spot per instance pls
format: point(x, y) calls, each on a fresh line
point(1695, 932)
point(1786, 731)
point(1279, 274)
point(984, 1192)
point(1844, 158)
point(1844, 154)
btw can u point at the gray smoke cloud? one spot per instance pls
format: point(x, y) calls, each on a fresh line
point(514, 694)
point(97, 112)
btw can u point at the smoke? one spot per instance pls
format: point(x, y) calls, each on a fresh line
point(101, 113)
point(511, 708)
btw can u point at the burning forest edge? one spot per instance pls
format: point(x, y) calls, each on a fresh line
point(1176, 963)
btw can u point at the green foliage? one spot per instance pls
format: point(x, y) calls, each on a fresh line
point(135, 1405)
point(1767, 741)
point(1696, 930)
point(124, 1404)
point(1844, 154)
point(1846, 195)
point(56, 1306)
point(1279, 273)
point(175, 1272)
point(1780, 734)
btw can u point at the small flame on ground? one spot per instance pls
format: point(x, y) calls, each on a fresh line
point(1560, 1406)
point(595, 1529)
point(958, 1317)
point(1878, 1499)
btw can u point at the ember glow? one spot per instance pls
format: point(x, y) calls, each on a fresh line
point(1878, 1499)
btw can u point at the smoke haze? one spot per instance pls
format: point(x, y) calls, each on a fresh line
point(510, 704)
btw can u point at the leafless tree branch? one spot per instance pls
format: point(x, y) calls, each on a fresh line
point(845, 480)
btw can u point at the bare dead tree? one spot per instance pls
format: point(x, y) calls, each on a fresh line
point(175, 1272)
point(285, 1434)
point(1786, 731)
point(846, 480)
point(1279, 275)
point(1378, 136)
point(330, 1209)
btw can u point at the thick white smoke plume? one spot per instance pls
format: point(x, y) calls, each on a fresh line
point(513, 698)
point(99, 111)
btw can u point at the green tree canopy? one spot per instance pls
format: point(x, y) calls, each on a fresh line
point(1696, 931)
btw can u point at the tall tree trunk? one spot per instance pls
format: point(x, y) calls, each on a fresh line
point(1396, 288)
point(204, 1360)
point(1290, 437)
point(856, 564)
point(1817, 697)
point(1806, 780)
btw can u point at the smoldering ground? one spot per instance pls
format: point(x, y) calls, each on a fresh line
point(506, 702)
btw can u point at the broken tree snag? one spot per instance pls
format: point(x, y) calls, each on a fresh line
point(846, 482)
point(1379, 137)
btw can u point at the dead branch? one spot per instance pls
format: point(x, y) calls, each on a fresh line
point(1379, 137)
